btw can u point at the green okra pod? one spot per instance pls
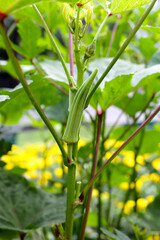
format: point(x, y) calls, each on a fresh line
point(71, 134)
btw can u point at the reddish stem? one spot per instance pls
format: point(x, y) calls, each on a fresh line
point(93, 179)
point(3, 16)
point(71, 54)
point(100, 114)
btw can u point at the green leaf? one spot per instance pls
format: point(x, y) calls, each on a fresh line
point(8, 235)
point(147, 47)
point(112, 92)
point(128, 75)
point(55, 71)
point(23, 207)
point(134, 104)
point(119, 6)
point(44, 91)
point(118, 236)
point(109, 234)
point(121, 235)
point(155, 59)
point(121, 67)
point(10, 6)
point(151, 29)
point(146, 76)
point(2, 164)
point(30, 34)
point(59, 111)
point(49, 11)
point(4, 147)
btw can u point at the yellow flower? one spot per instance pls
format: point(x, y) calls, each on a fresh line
point(104, 195)
point(140, 159)
point(142, 203)
point(120, 205)
point(132, 185)
point(109, 143)
point(156, 164)
point(129, 206)
point(58, 172)
point(117, 159)
point(154, 177)
point(58, 159)
point(32, 174)
point(139, 182)
point(150, 198)
point(58, 185)
point(118, 144)
point(46, 175)
point(108, 155)
point(128, 161)
point(129, 158)
point(95, 193)
point(9, 166)
point(124, 185)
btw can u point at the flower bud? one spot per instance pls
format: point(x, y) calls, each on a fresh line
point(73, 24)
point(80, 26)
point(90, 50)
point(89, 14)
point(65, 12)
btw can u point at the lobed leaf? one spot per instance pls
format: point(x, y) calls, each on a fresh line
point(119, 6)
point(23, 207)
point(30, 34)
point(151, 29)
point(10, 6)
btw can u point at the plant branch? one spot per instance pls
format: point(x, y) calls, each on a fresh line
point(100, 28)
point(55, 45)
point(71, 54)
point(112, 38)
point(80, 69)
point(130, 126)
point(93, 173)
point(122, 49)
point(132, 178)
point(100, 171)
point(28, 89)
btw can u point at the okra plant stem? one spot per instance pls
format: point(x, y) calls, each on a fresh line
point(28, 90)
point(71, 54)
point(70, 195)
point(122, 49)
point(80, 68)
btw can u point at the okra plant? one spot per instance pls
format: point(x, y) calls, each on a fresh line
point(89, 86)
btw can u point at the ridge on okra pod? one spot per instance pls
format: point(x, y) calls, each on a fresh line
point(71, 134)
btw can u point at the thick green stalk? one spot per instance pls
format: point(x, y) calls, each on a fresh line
point(121, 50)
point(100, 171)
point(55, 45)
point(70, 193)
point(28, 89)
point(80, 68)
